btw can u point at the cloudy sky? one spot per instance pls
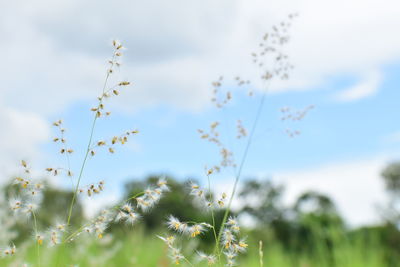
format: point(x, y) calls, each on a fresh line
point(346, 56)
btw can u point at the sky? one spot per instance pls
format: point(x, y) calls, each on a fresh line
point(346, 57)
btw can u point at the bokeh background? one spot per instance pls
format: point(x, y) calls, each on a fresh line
point(346, 56)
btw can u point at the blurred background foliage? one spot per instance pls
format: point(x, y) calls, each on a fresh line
point(311, 232)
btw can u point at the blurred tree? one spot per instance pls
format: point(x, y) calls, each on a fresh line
point(317, 225)
point(312, 217)
point(314, 202)
point(262, 201)
point(391, 177)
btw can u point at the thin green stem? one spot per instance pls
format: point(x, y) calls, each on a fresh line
point(239, 173)
point(245, 153)
point(89, 144)
point(128, 199)
point(37, 243)
point(81, 170)
point(191, 264)
point(76, 232)
point(213, 218)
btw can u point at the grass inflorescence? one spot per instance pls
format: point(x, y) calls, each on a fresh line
point(229, 238)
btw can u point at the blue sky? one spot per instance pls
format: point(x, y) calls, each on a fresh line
point(346, 65)
point(168, 142)
point(333, 131)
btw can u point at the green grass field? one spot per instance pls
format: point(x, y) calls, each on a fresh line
point(139, 249)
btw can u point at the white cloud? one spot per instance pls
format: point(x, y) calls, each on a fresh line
point(177, 48)
point(20, 137)
point(356, 187)
point(367, 87)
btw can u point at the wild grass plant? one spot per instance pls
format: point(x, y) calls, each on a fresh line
point(89, 244)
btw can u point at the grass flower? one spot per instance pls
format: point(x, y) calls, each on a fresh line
point(228, 238)
point(233, 224)
point(29, 208)
point(55, 237)
point(163, 185)
point(15, 204)
point(176, 255)
point(230, 258)
point(168, 240)
point(174, 224)
point(127, 214)
point(210, 259)
point(8, 251)
point(39, 237)
point(195, 230)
